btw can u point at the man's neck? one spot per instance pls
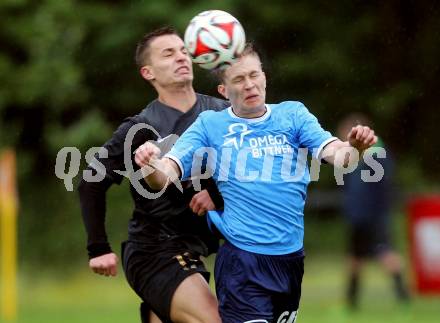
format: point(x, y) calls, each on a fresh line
point(180, 98)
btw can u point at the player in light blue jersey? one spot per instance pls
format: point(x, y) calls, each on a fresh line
point(257, 154)
point(259, 168)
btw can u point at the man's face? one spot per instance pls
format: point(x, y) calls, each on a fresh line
point(244, 84)
point(169, 62)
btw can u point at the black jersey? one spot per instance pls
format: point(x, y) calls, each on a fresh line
point(166, 218)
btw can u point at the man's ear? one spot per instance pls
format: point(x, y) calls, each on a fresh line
point(147, 73)
point(222, 90)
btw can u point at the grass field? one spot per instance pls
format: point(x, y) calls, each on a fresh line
point(88, 298)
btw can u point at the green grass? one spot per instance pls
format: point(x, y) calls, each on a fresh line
point(83, 298)
point(88, 298)
point(323, 297)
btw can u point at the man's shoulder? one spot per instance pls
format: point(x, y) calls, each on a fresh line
point(213, 115)
point(287, 106)
point(208, 102)
point(142, 116)
point(293, 110)
point(148, 111)
point(130, 123)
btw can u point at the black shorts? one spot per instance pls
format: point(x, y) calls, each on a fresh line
point(155, 274)
point(369, 240)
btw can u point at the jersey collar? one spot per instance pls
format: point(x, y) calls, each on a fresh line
point(251, 120)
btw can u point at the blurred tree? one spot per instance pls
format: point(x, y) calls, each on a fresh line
point(67, 75)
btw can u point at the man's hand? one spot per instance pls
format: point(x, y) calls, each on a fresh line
point(361, 138)
point(201, 202)
point(338, 152)
point(105, 265)
point(146, 154)
point(147, 158)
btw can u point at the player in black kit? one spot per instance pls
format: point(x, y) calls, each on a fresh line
point(161, 257)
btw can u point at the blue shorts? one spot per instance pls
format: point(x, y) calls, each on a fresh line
point(257, 288)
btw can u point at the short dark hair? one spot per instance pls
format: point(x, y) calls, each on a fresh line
point(248, 50)
point(143, 46)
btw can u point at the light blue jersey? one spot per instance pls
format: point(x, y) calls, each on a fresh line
point(260, 167)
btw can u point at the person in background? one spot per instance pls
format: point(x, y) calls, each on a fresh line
point(366, 208)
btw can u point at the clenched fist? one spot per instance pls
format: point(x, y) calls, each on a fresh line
point(361, 137)
point(105, 265)
point(146, 154)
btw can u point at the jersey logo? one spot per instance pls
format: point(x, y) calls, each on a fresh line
point(236, 131)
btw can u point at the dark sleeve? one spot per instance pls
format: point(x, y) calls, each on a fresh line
point(113, 164)
point(214, 193)
point(93, 207)
point(92, 195)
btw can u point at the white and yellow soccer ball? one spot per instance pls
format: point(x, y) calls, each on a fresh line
point(214, 39)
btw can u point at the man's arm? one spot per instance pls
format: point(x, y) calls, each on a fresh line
point(158, 173)
point(214, 193)
point(177, 164)
point(201, 203)
point(102, 260)
point(338, 152)
point(92, 195)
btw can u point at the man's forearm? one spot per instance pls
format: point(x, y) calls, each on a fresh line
point(161, 172)
point(346, 153)
point(340, 153)
point(93, 200)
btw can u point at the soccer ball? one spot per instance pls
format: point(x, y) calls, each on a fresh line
point(214, 39)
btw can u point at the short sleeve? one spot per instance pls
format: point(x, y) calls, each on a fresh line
point(189, 146)
point(310, 133)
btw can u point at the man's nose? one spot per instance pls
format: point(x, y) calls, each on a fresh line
point(249, 84)
point(181, 56)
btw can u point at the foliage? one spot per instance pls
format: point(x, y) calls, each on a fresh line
point(67, 78)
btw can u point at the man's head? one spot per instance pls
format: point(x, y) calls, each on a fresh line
point(244, 83)
point(163, 59)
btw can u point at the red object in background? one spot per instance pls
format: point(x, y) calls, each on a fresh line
point(424, 226)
